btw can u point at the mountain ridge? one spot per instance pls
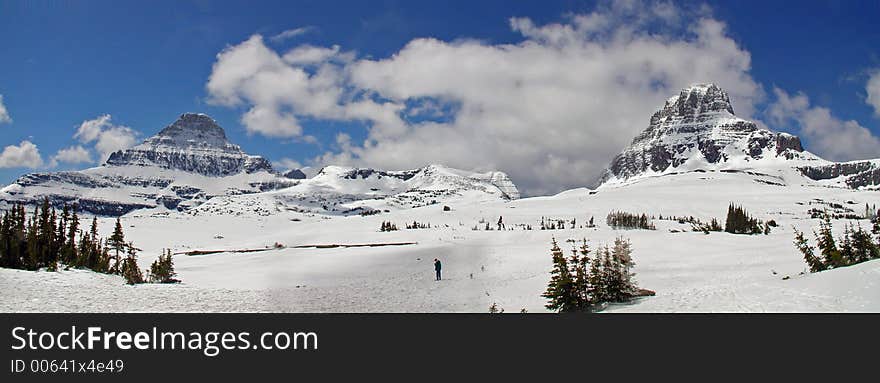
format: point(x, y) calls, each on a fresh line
point(191, 161)
point(698, 130)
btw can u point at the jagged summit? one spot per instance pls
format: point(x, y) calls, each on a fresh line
point(192, 129)
point(193, 143)
point(700, 97)
point(698, 129)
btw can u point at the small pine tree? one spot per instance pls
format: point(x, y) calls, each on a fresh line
point(129, 268)
point(117, 243)
point(597, 290)
point(814, 263)
point(825, 240)
point(162, 269)
point(560, 289)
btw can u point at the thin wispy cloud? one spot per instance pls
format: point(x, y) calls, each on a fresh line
point(873, 90)
point(4, 114)
point(291, 33)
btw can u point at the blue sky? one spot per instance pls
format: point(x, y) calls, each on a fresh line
point(144, 63)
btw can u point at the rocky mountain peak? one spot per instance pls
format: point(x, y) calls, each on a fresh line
point(192, 129)
point(699, 129)
point(694, 102)
point(193, 143)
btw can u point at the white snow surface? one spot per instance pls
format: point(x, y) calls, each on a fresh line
point(690, 271)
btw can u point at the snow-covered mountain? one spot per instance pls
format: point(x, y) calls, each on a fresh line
point(194, 143)
point(185, 164)
point(697, 130)
point(338, 190)
point(191, 162)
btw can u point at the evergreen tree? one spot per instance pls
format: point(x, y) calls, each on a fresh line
point(61, 233)
point(623, 263)
point(739, 222)
point(847, 254)
point(129, 269)
point(33, 243)
point(597, 290)
point(578, 265)
point(863, 249)
point(162, 269)
point(827, 246)
point(117, 243)
point(810, 258)
point(69, 254)
point(560, 290)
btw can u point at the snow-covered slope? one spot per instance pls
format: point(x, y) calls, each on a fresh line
point(298, 227)
point(191, 162)
point(697, 130)
point(690, 271)
point(338, 190)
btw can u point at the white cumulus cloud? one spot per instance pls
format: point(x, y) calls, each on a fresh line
point(280, 89)
point(828, 136)
point(550, 110)
point(23, 155)
point(72, 155)
point(106, 136)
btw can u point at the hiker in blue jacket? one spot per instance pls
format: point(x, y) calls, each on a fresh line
point(437, 267)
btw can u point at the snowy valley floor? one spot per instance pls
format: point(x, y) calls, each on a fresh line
point(690, 271)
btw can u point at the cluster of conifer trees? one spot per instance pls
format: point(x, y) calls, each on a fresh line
point(856, 246)
point(49, 239)
point(560, 224)
point(739, 222)
point(582, 283)
point(713, 225)
point(624, 220)
point(388, 226)
point(418, 225)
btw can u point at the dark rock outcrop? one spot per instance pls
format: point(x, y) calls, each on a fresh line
point(295, 174)
point(854, 174)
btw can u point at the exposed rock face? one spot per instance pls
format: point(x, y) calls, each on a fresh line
point(698, 127)
point(194, 143)
point(855, 174)
point(295, 174)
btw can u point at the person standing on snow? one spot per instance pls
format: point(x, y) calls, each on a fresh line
point(437, 268)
